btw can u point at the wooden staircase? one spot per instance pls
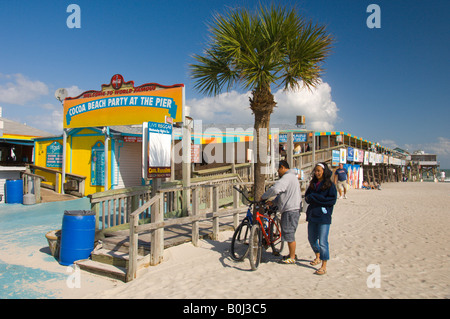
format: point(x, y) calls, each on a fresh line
point(110, 257)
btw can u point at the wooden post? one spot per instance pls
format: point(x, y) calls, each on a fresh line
point(215, 209)
point(133, 249)
point(195, 224)
point(290, 149)
point(235, 205)
point(157, 236)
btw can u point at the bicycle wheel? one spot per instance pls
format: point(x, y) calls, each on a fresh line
point(275, 236)
point(240, 240)
point(255, 246)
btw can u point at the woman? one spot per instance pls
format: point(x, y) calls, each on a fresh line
point(321, 196)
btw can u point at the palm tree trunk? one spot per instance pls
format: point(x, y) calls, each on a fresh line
point(262, 104)
point(262, 122)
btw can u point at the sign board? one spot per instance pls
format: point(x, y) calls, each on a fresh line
point(350, 154)
point(335, 158)
point(298, 137)
point(195, 153)
point(132, 139)
point(159, 150)
point(121, 103)
point(343, 155)
point(54, 155)
point(98, 164)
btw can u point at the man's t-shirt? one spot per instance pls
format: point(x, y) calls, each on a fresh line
point(342, 174)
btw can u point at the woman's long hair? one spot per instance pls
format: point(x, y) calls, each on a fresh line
point(326, 177)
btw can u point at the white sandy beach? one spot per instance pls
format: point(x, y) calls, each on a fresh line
point(401, 230)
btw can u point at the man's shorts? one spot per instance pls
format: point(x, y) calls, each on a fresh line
point(289, 223)
point(342, 185)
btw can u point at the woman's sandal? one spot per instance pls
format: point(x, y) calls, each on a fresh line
point(320, 272)
point(315, 262)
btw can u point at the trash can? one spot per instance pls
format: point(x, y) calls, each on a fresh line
point(14, 191)
point(54, 241)
point(77, 236)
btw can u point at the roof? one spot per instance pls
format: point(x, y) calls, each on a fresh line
point(15, 128)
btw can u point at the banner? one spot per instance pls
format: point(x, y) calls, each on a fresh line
point(120, 103)
point(343, 155)
point(350, 154)
point(297, 137)
point(335, 157)
point(159, 150)
point(355, 175)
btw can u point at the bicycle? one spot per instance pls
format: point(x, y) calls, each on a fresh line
point(249, 237)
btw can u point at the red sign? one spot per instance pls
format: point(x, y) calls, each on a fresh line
point(132, 139)
point(195, 153)
point(117, 81)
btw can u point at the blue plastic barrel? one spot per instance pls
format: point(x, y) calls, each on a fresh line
point(14, 191)
point(77, 236)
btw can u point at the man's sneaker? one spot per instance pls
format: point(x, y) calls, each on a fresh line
point(287, 261)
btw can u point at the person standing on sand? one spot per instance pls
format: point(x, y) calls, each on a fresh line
point(340, 179)
point(321, 196)
point(288, 200)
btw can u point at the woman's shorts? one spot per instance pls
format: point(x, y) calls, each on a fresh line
point(289, 223)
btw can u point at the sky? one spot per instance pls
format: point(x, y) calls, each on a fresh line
point(388, 84)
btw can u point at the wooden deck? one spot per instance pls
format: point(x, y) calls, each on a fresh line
point(49, 195)
point(110, 257)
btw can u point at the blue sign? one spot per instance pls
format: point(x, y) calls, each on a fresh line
point(350, 154)
point(54, 155)
point(110, 102)
point(98, 164)
point(298, 137)
point(335, 157)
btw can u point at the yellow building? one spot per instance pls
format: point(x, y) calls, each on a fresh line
point(16, 150)
point(86, 161)
point(101, 145)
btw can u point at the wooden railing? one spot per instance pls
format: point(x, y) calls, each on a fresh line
point(74, 182)
point(157, 223)
point(33, 181)
point(114, 207)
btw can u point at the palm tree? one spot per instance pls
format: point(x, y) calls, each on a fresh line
point(273, 47)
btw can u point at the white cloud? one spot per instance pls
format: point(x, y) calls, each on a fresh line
point(51, 120)
point(316, 105)
point(18, 89)
point(388, 143)
point(74, 91)
point(230, 107)
point(441, 147)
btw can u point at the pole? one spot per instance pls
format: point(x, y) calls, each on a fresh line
point(64, 160)
point(106, 132)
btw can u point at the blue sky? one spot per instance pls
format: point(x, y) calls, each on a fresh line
point(388, 85)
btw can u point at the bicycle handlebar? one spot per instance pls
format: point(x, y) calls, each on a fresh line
point(255, 202)
point(250, 201)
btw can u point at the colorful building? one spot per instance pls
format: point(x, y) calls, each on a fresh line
point(16, 150)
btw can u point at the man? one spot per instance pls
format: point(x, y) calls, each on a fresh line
point(288, 199)
point(340, 179)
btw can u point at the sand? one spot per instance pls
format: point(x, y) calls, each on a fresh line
point(389, 243)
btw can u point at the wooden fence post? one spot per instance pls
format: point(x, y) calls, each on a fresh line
point(215, 224)
point(195, 224)
point(133, 249)
point(235, 205)
point(157, 236)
